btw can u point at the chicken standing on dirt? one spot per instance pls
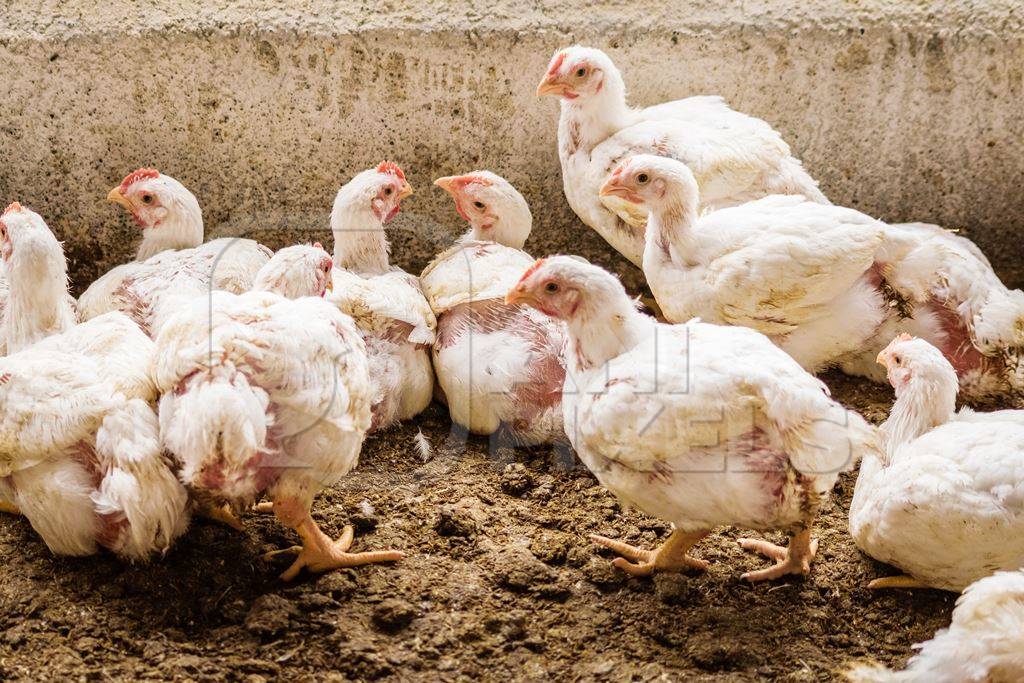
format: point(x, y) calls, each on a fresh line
point(498, 365)
point(735, 157)
point(700, 425)
point(984, 644)
point(386, 303)
point(264, 395)
point(945, 501)
point(173, 264)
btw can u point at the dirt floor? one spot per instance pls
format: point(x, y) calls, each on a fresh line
point(500, 582)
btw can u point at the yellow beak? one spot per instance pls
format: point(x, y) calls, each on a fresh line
point(518, 295)
point(611, 187)
point(550, 85)
point(405, 191)
point(446, 183)
point(116, 197)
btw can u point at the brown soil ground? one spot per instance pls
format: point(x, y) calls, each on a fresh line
point(500, 582)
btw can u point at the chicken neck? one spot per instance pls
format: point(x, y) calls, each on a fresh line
point(925, 403)
point(360, 243)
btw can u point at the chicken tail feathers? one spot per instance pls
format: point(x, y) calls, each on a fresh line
point(217, 424)
point(142, 505)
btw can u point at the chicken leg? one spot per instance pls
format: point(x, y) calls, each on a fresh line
point(669, 556)
point(318, 552)
point(796, 559)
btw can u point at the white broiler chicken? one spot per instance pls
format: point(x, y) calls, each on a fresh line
point(498, 365)
point(267, 396)
point(37, 303)
point(43, 315)
point(984, 644)
point(945, 501)
point(807, 275)
point(826, 283)
point(297, 271)
point(735, 157)
point(699, 425)
point(386, 302)
point(172, 257)
point(82, 461)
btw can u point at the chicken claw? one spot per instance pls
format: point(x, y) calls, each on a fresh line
point(221, 514)
point(264, 508)
point(900, 581)
point(319, 553)
point(796, 559)
point(669, 556)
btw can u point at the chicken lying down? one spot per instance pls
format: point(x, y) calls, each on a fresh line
point(984, 644)
point(735, 157)
point(385, 302)
point(498, 365)
point(81, 460)
point(172, 258)
point(34, 298)
point(945, 501)
point(699, 425)
point(266, 396)
point(826, 283)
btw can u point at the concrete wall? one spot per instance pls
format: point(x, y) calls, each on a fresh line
point(904, 109)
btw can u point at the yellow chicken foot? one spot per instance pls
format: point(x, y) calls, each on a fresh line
point(669, 556)
point(318, 552)
point(9, 508)
point(221, 514)
point(901, 581)
point(796, 559)
point(264, 508)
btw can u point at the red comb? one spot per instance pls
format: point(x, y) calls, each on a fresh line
point(903, 337)
point(13, 206)
point(391, 168)
point(556, 63)
point(532, 269)
point(317, 245)
point(137, 175)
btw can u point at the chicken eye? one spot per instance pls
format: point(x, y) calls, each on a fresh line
point(898, 360)
point(388, 191)
point(642, 178)
point(581, 72)
point(479, 205)
point(551, 287)
point(147, 198)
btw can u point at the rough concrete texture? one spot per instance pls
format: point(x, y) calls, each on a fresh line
point(906, 110)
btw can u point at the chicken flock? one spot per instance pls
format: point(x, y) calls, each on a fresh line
point(216, 378)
